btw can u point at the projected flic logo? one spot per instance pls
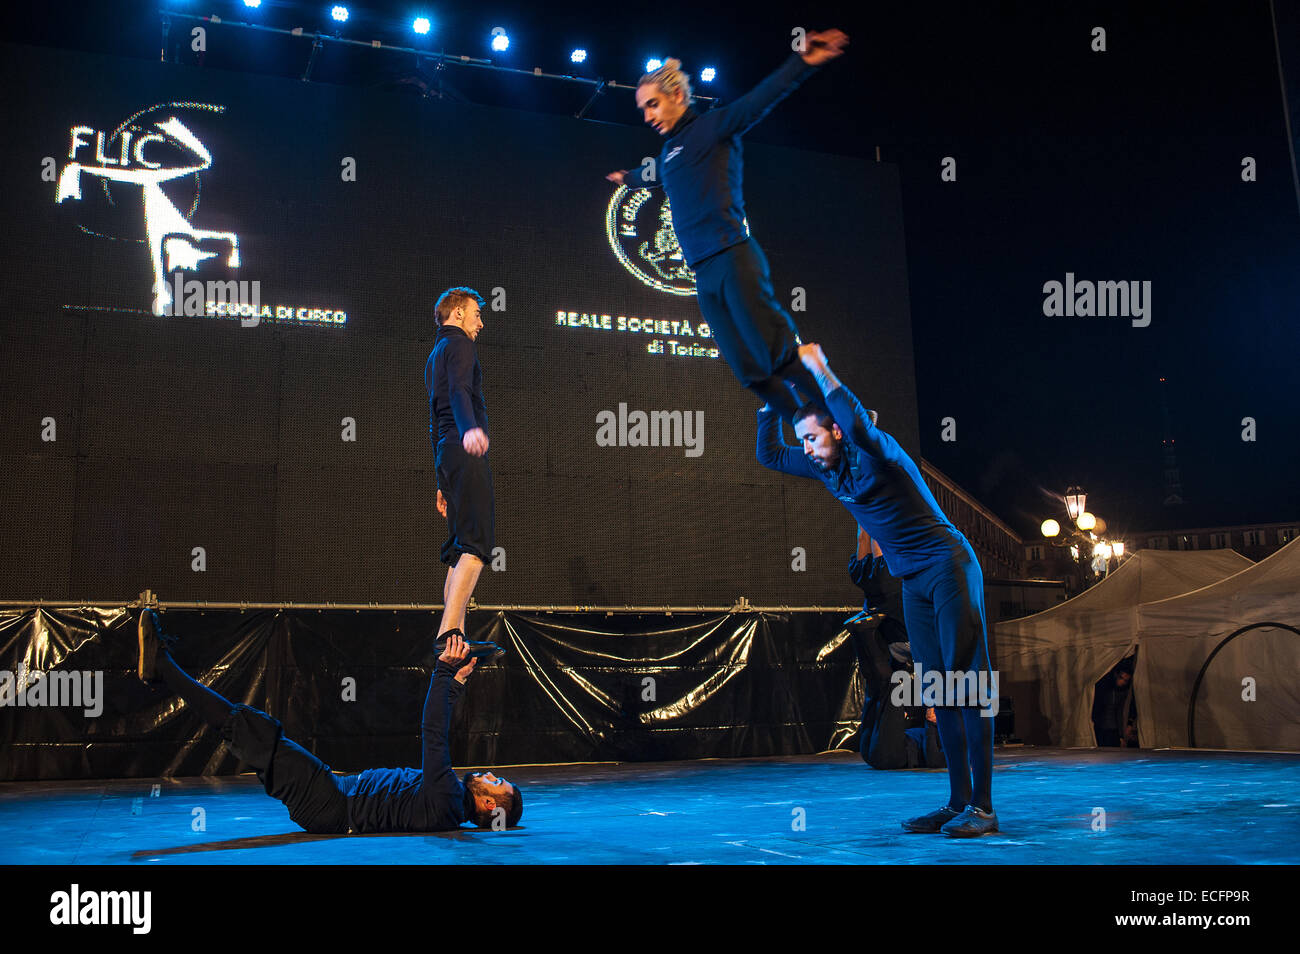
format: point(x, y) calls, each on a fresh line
point(157, 152)
point(639, 226)
point(131, 154)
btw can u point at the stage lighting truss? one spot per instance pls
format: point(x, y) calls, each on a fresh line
point(499, 39)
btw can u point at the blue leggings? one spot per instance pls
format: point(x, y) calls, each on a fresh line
point(943, 606)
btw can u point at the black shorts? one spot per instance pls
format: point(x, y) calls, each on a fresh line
point(466, 485)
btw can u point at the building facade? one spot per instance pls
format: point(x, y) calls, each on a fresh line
point(1254, 540)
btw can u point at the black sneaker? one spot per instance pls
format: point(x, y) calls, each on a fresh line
point(477, 650)
point(151, 638)
point(971, 823)
point(931, 823)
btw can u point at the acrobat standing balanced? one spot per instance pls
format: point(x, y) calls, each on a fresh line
point(701, 169)
point(943, 586)
point(458, 427)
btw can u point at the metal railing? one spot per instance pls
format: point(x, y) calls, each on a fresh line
point(149, 599)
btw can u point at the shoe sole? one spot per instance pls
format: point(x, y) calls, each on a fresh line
point(492, 652)
point(926, 830)
point(971, 834)
point(146, 667)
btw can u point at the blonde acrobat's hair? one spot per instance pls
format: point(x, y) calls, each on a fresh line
point(668, 79)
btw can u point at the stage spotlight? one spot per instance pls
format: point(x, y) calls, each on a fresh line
point(652, 65)
point(578, 56)
point(500, 39)
point(708, 74)
point(339, 13)
point(253, 3)
point(421, 25)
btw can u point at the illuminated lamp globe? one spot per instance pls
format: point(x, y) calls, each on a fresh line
point(1087, 521)
point(1050, 528)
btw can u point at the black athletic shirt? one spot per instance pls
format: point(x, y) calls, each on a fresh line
point(430, 798)
point(454, 381)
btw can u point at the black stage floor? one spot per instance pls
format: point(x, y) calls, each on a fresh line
point(1160, 807)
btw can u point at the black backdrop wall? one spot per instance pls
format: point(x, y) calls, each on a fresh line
point(350, 687)
point(129, 439)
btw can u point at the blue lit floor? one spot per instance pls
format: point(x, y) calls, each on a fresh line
point(1163, 807)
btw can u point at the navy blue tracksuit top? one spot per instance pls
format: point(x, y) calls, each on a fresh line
point(701, 166)
point(876, 481)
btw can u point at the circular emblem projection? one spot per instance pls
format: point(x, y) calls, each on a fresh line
point(639, 226)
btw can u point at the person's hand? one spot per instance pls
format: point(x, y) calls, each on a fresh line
point(617, 176)
point(812, 356)
point(442, 505)
point(463, 672)
point(455, 652)
point(824, 46)
point(475, 442)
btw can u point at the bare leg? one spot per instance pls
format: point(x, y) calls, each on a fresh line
point(460, 586)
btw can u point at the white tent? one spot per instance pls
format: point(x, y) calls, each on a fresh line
point(1049, 663)
point(1250, 695)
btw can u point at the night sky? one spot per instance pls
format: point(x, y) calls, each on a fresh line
point(1117, 165)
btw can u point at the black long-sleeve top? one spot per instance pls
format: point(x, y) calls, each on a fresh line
point(430, 798)
point(701, 166)
point(454, 381)
point(876, 481)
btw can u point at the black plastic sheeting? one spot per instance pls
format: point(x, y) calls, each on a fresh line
point(349, 686)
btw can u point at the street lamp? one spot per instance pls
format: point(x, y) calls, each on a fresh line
point(1075, 499)
point(1082, 537)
